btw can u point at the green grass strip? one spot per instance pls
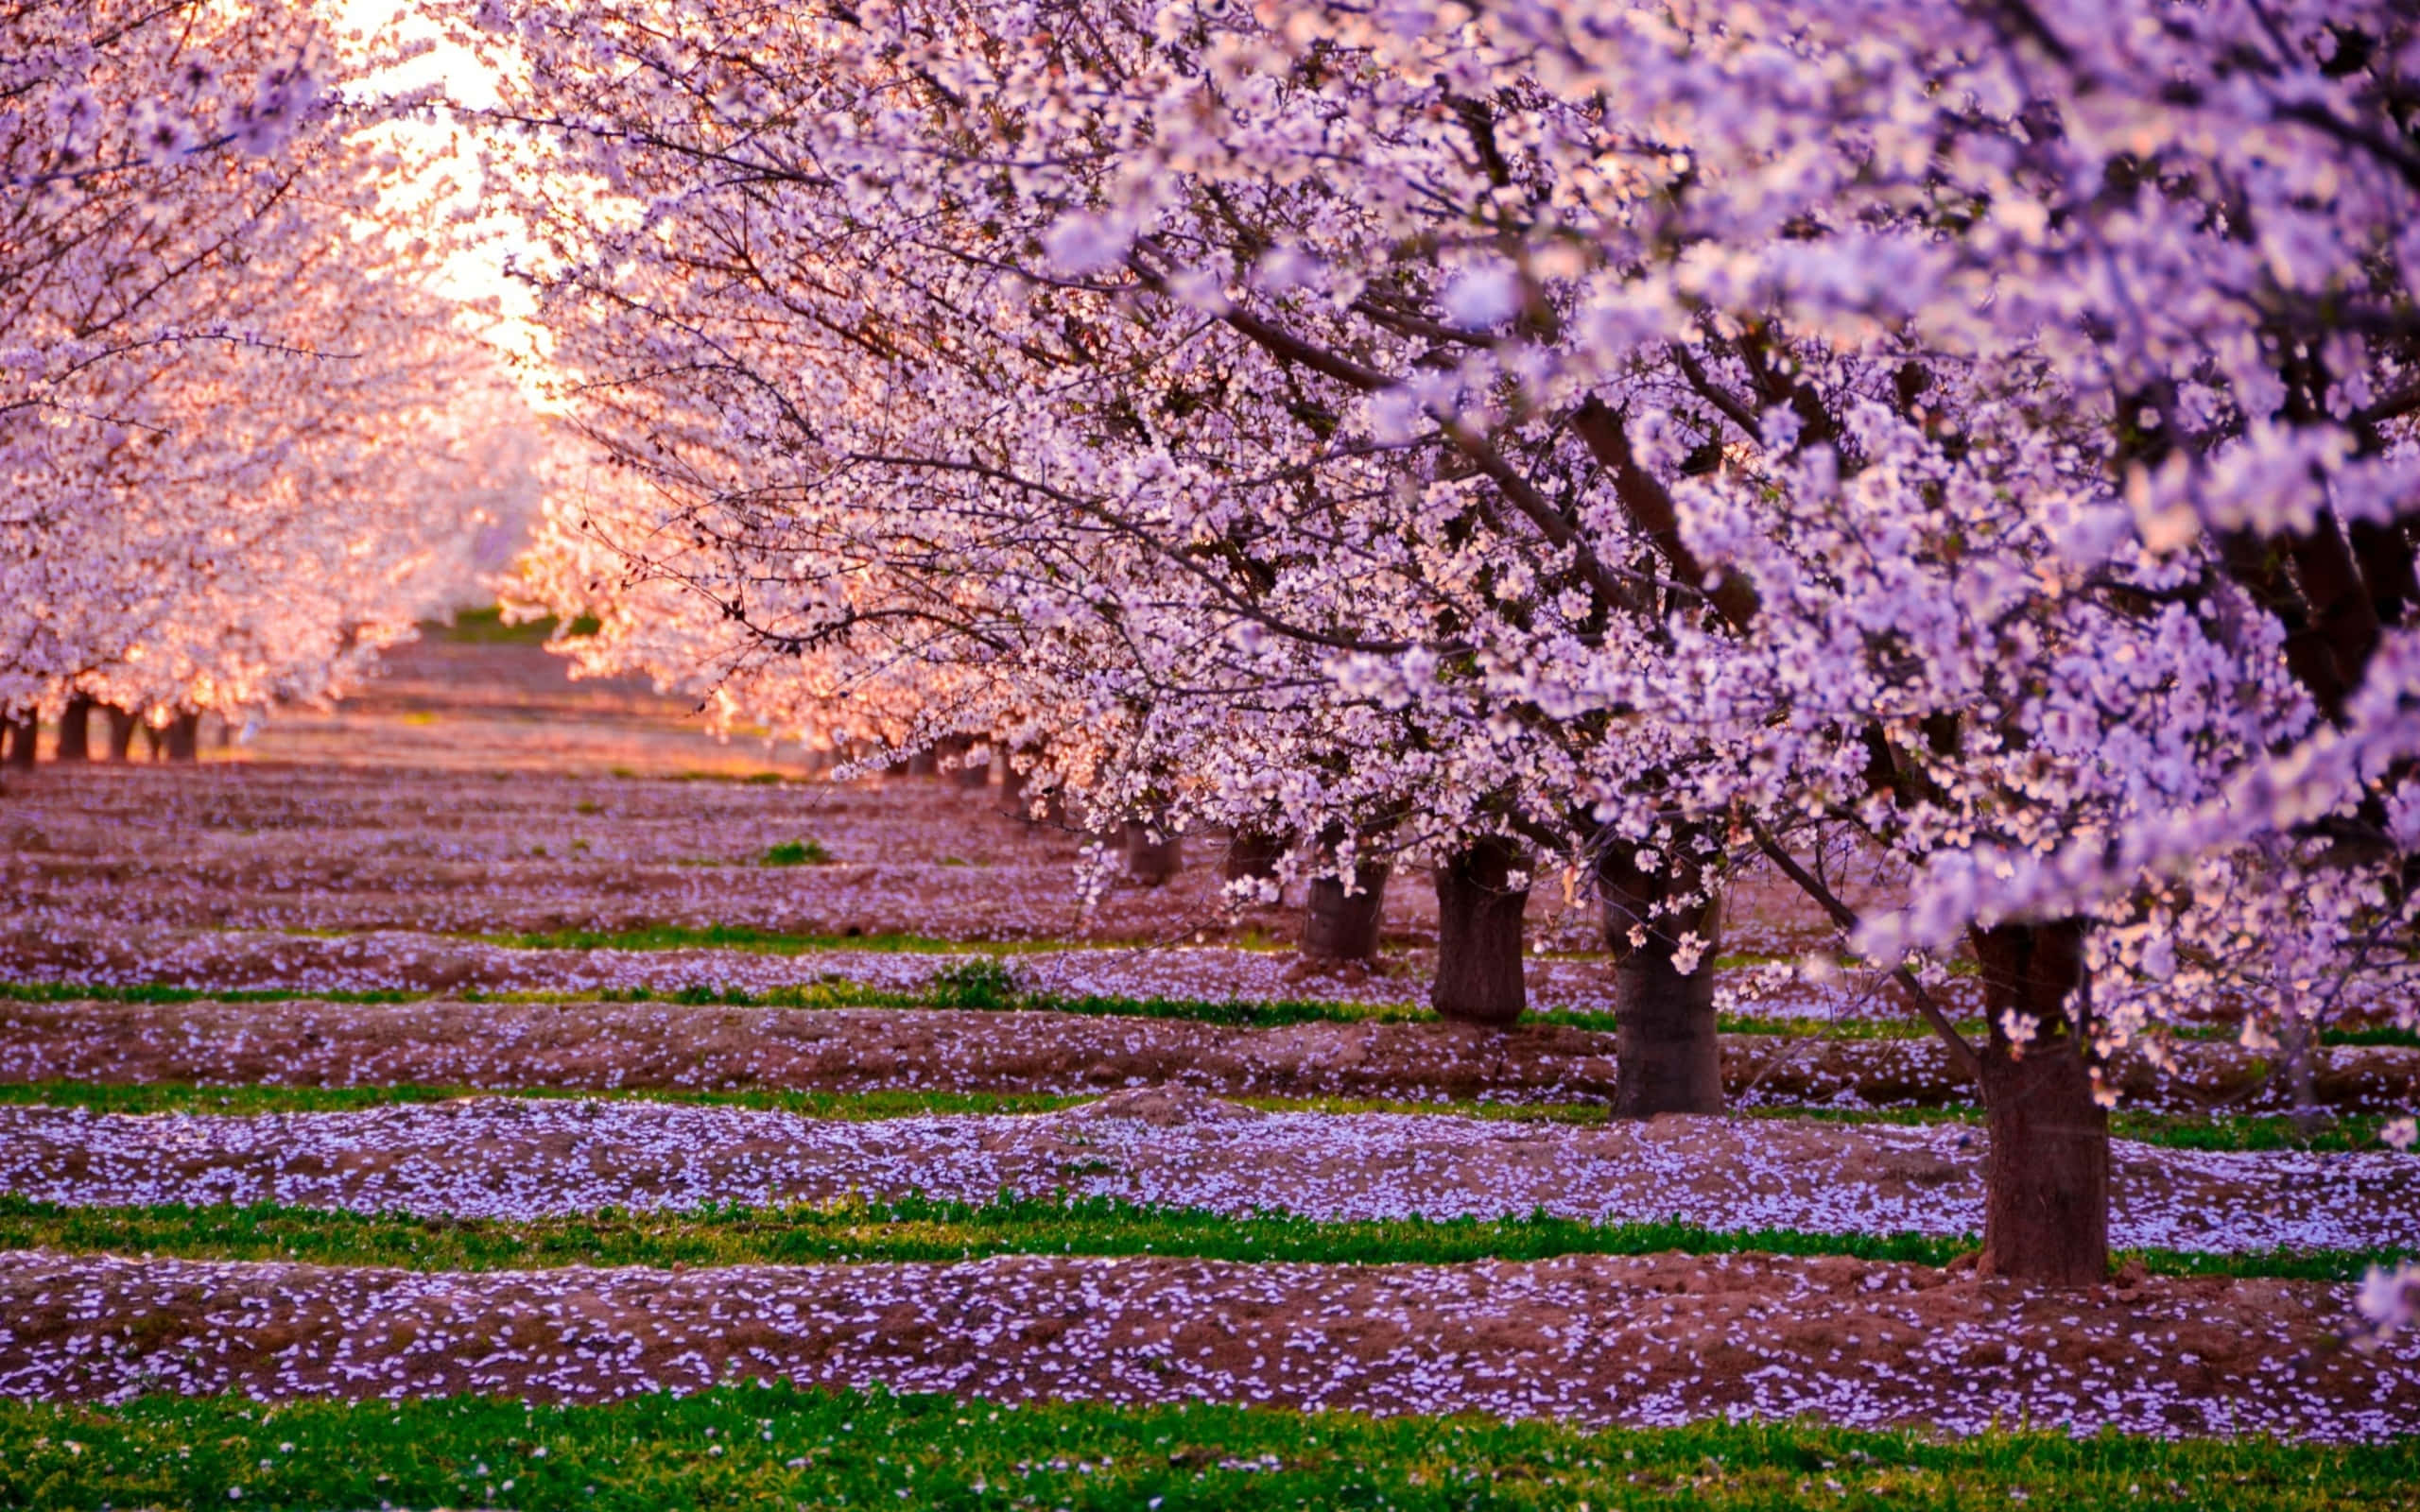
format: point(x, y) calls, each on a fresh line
point(750, 939)
point(986, 984)
point(2185, 1131)
point(923, 1230)
point(756, 1446)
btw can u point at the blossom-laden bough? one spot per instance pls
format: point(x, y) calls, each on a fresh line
point(1532, 438)
point(247, 442)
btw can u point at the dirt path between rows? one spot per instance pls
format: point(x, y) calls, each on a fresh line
point(1648, 1340)
point(600, 1046)
point(518, 1159)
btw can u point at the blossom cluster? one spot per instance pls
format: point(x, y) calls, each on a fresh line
point(1645, 436)
point(240, 432)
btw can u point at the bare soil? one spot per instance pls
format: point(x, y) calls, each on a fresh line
point(1648, 1340)
point(476, 789)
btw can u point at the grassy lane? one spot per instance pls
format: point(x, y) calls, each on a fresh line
point(986, 984)
point(776, 1447)
point(918, 1229)
point(2236, 1131)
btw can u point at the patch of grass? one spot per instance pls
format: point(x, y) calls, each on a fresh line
point(162, 993)
point(2232, 1132)
point(249, 1099)
point(760, 941)
point(923, 1230)
point(778, 1446)
point(976, 985)
point(486, 627)
point(826, 994)
point(795, 853)
point(944, 992)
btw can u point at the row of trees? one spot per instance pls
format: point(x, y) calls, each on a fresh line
point(244, 445)
point(1543, 439)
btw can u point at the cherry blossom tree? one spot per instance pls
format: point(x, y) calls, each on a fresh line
point(234, 416)
point(1627, 438)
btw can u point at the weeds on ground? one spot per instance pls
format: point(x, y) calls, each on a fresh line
point(795, 853)
point(2189, 1131)
point(760, 1445)
point(925, 1230)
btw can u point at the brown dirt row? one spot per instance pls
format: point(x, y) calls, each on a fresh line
point(322, 846)
point(601, 1046)
point(1646, 1340)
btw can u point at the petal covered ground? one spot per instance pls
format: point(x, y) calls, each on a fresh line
point(507, 1157)
point(1642, 1340)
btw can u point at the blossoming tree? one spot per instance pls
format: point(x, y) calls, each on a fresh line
point(1635, 439)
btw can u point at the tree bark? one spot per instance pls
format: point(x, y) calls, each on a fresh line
point(1012, 785)
point(1478, 936)
point(1337, 926)
point(122, 725)
point(2046, 1176)
point(76, 729)
point(183, 737)
point(1152, 861)
point(1252, 854)
point(1667, 1054)
point(21, 733)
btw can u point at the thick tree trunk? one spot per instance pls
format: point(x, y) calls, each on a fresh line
point(183, 737)
point(76, 729)
point(2046, 1176)
point(1152, 854)
point(1340, 926)
point(122, 727)
point(20, 733)
point(1012, 785)
point(1667, 1054)
point(1478, 938)
point(1252, 854)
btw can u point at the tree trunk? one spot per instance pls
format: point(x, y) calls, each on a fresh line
point(2046, 1176)
point(974, 773)
point(1252, 854)
point(182, 736)
point(1478, 938)
point(1152, 854)
point(1337, 926)
point(1013, 784)
point(20, 743)
point(76, 729)
point(1667, 1054)
point(122, 727)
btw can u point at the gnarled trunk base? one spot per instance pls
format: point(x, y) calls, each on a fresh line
point(1478, 938)
point(76, 730)
point(1152, 855)
point(17, 742)
point(2046, 1176)
point(1340, 926)
point(1253, 854)
point(1668, 1055)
